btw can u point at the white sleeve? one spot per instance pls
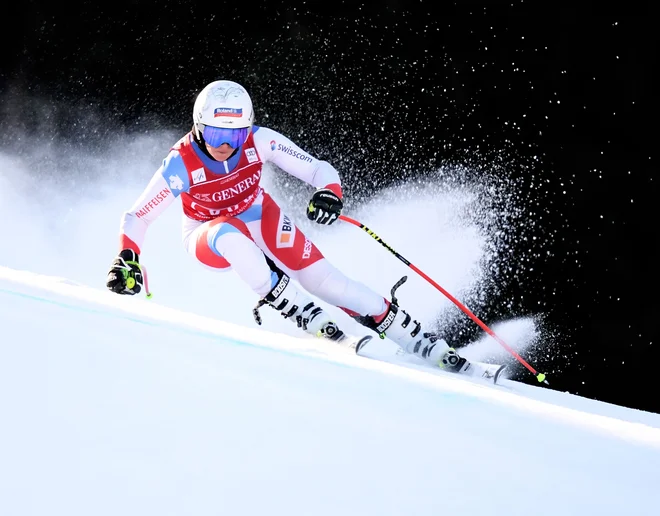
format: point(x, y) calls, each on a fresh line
point(153, 201)
point(279, 150)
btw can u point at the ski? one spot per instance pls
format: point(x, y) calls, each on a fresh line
point(474, 369)
point(483, 370)
point(351, 341)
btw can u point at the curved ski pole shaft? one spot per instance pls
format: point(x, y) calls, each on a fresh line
point(539, 376)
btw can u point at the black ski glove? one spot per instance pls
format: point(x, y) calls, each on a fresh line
point(324, 207)
point(125, 275)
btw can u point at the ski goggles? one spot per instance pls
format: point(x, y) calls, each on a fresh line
point(216, 136)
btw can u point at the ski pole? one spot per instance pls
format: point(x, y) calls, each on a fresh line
point(146, 282)
point(539, 376)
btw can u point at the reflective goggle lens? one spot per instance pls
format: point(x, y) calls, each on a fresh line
point(216, 136)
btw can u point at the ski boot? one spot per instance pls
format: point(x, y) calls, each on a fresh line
point(451, 361)
point(400, 327)
point(294, 304)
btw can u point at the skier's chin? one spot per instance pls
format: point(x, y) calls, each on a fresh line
point(221, 153)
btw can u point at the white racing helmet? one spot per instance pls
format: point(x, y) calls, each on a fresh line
point(223, 114)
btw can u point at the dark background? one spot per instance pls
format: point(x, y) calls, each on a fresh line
point(562, 100)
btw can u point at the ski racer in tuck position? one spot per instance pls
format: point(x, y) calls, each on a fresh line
point(229, 221)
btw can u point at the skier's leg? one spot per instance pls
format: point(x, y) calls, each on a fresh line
point(399, 326)
point(375, 312)
point(282, 240)
point(225, 243)
point(291, 250)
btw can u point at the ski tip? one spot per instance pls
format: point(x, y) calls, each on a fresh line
point(496, 378)
point(360, 344)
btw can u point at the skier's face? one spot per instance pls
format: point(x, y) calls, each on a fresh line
point(222, 141)
point(221, 153)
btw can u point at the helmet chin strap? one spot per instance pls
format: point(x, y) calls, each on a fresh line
point(197, 136)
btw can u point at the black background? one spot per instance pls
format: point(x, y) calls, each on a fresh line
point(562, 99)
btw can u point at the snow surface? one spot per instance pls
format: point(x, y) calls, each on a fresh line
point(182, 405)
point(113, 405)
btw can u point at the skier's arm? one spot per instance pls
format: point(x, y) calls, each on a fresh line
point(125, 274)
point(166, 184)
point(325, 205)
point(281, 151)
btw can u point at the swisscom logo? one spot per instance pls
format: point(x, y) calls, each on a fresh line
point(292, 152)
